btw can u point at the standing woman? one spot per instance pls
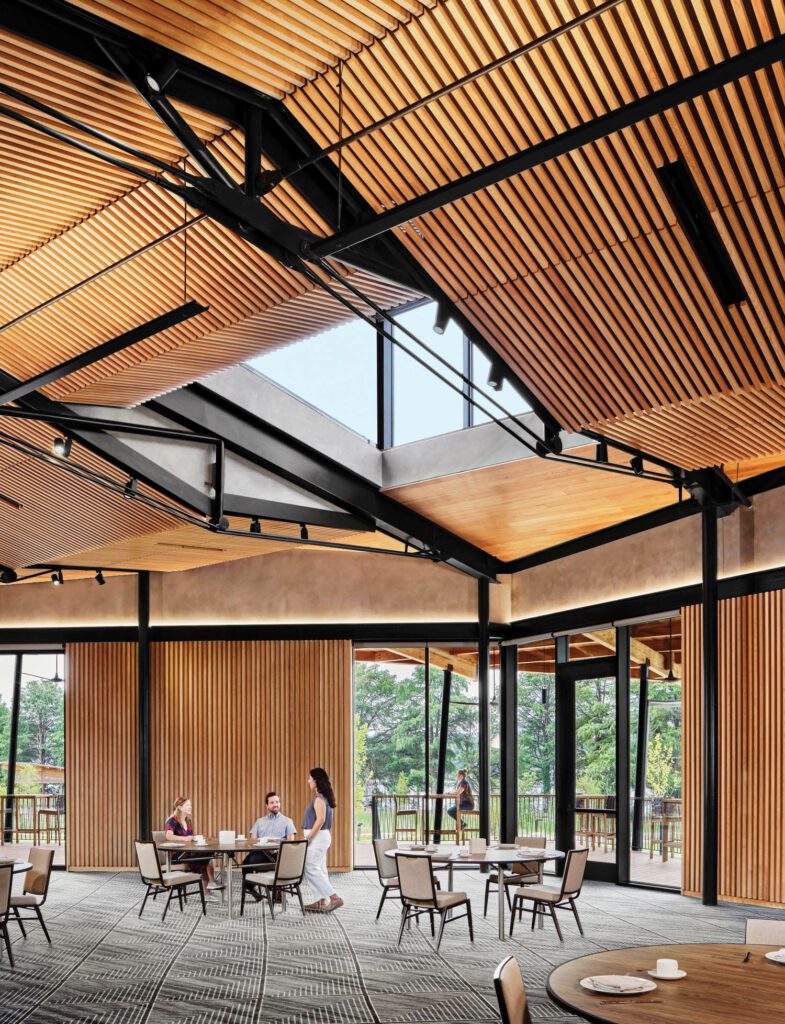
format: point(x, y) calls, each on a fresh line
point(318, 818)
point(179, 826)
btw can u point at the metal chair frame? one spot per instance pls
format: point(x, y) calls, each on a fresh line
point(48, 856)
point(290, 885)
point(156, 884)
point(566, 898)
point(411, 911)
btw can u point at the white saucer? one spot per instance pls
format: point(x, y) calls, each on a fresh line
point(775, 959)
point(667, 977)
point(595, 984)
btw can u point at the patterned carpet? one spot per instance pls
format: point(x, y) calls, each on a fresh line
point(108, 967)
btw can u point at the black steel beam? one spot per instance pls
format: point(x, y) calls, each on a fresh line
point(441, 762)
point(657, 102)
point(268, 447)
point(143, 697)
point(13, 741)
point(641, 754)
point(114, 451)
point(282, 512)
point(564, 753)
point(103, 351)
point(284, 141)
point(623, 755)
point(483, 699)
point(710, 620)
point(385, 368)
point(508, 743)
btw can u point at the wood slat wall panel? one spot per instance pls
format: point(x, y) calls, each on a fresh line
point(232, 720)
point(101, 754)
point(751, 749)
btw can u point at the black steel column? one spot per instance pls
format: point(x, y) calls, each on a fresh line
point(13, 741)
point(441, 764)
point(427, 806)
point(565, 754)
point(384, 388)
point(622, 755)
point(143, 692)
point(508, 742)
point(484, 780)
point(468, 390)
point(640, 759)
point(710, 706)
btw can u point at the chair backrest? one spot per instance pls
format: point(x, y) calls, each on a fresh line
point(147, 858)
point(533, 842)
point(37, 879)
point(511, 993)
point(763, 932)
point(574, 870)
point(159, 836)
point(290, 865)
point(415, 877)
point(6, 877)
point(384, 865)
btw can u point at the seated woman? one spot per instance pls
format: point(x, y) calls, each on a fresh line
point(179, 826)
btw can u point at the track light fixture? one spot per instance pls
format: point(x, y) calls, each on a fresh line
point(99, 578)
point(7, 575)
point(303, 531)
point(131, 488)
point(551, 444)
point(636, 465)
point(57, 577)
point(256, 526)
point(496, 374)
point(61, 446)
point(601, 452)
point(158, 78)
point(442, 318)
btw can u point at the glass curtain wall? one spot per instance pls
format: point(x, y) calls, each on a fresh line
point(32, 696)
point(537, 741)
point(394, 794)
point(656, 753)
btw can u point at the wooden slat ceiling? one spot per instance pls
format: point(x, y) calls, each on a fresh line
point(579, 271)
point(64, 216)
point(516, 508)
point(274, 47)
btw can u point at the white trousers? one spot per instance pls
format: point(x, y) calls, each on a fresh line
point(316, 865)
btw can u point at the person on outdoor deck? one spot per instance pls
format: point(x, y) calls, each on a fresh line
point(462, 796)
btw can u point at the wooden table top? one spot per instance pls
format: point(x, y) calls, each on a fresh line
point(719, 988)
point(491, 856)
point(17, 866)
point(211, 845)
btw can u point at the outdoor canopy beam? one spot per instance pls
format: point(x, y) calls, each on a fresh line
point(657, 102)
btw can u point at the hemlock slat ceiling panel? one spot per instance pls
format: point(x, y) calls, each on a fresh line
point(247, 292)
point(579, 271)
point(47, 186)
point(273, 47)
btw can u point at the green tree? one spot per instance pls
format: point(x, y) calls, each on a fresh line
point(360, 764)
point(41, 723)
point(661, 777)
point(5, 732)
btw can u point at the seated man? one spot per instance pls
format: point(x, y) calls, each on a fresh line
point(272, 825)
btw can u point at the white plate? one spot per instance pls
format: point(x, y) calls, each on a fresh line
point(776, 957)
point(667, 977)
point(607, 985)
point(506, 846)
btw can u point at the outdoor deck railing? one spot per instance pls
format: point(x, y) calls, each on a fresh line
point(404, 815)
point(27, 823)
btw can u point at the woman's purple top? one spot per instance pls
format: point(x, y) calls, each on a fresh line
point(309, 818)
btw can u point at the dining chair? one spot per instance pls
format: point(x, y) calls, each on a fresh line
point(387, 870)
point(165, 881)
point(510, 992)
point(526, 872)
point(419, 895)
point(6, 877)
point(159, 836)
point(761, 932)
point(35, 889)
point(286, 878)
point(548, 899)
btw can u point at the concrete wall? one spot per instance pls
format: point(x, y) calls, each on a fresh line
point(669, 556)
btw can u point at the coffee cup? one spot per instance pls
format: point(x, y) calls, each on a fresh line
point(240, 839)
point(199, 839)
point(667, 968)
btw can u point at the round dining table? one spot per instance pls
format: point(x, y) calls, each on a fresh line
point(723, 985)
point(226, 851)
point(494, 855)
